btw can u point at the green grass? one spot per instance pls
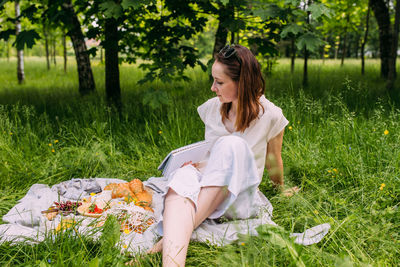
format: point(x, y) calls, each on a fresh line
point(335, 150)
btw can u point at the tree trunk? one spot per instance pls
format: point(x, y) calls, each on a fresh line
point(392, 62)
point(20, 53)
point(64, 41)
point(365, 39)
point(345, 40)
point(8, 51)
point(305, 70)
point(382, 16)
point(113, 90)
point(86, 80)
point(225, 15)
point(101, 54)
point(54, 50)
point(46, 45)
point(293, 56)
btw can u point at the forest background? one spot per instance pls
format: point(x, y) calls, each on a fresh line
point(106, 88)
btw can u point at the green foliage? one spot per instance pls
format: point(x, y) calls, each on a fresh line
point(27, 37)
point(309, 40)
point(318, 9)
point(111, 9)
point(291, 29)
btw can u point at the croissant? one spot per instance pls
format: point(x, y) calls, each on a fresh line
point(136, 186)
point(144, 198)
point(122, 190)
point(110, 186)
point(134, 189)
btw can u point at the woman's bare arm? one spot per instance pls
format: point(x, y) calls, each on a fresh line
point(273, 160)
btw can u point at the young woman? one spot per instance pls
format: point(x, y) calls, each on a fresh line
point(247, 132)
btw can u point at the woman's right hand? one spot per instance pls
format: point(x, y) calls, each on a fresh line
point(196, 165)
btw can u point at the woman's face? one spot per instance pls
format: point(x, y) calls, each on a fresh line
point(225, 88)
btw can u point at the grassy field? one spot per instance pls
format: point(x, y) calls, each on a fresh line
point(341, 147)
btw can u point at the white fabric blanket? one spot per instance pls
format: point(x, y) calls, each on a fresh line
point(25, 221)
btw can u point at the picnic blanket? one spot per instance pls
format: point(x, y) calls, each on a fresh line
point(26, 222)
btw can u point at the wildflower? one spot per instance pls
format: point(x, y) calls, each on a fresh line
point(349, 147)
point(382, 186)
point(335, 170)
point(127, 231)
point(55, 141)
point(290, 128)
point(329, 171)
point(50, 144)
point(49, 260)
point(316, 212)
point(11, 133)
point(386, 132)
point(53, 150)
point(92, 194)
point(119, 203)
point(124, 246)
point(242, 244)
point(159, 132)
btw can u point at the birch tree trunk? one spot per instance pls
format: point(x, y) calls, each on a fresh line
point(85, 74)
point(20, 53)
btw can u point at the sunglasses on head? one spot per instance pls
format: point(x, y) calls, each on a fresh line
point(228, 51)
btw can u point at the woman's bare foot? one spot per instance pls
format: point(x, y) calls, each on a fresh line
point(288, 192)
point(157, 247)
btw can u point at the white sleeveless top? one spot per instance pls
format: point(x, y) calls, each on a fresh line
point(257, 135)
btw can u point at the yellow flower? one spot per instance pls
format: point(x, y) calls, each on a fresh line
point(56, 141)
point(50, 144)
point(382, 186)
point(124, 246)
point(92, 194)
point(242, 244)
point(334, 170)
point(11, 133)
point(127, 231)
point(316, 212)
point(53, 150)
point(329, 171)
point(159, 132)
point(290, 128)
point(386, 132)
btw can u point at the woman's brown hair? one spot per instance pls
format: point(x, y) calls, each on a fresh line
point(243, 68)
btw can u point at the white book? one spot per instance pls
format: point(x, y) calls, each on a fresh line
point(195, 152)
